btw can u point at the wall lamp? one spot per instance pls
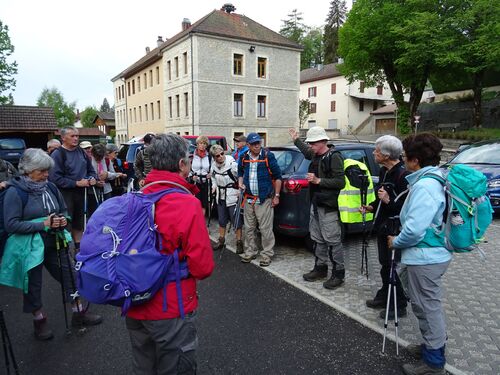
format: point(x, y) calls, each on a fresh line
point(251, 49)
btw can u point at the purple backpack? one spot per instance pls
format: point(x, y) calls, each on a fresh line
point(119, 262)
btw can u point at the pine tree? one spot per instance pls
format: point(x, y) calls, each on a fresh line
point(336, 17)
point(105, 106)
point(293, 28)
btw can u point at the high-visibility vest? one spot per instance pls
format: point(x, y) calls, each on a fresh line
point(350, 197)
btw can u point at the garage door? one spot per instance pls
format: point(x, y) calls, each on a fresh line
point(385, 126)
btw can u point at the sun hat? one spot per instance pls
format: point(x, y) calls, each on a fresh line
point(85, 144)
point(315, 134)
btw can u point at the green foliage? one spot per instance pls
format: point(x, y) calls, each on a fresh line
point(105, 106)
point(313, 49)
point(304, 106)
point(472, 135)
point(7, 69)
point(64, 112)
point(335, 19)
point(87, 116)
point(293, 28)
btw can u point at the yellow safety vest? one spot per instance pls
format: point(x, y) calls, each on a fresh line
point(350, 198)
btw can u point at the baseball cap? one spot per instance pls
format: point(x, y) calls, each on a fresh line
point(85, 144)
point(253, 138)
point(240, 138)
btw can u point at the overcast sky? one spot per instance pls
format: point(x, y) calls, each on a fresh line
point(78, 46)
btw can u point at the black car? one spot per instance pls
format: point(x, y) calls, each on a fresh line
point(11, 149)
point(291, 216)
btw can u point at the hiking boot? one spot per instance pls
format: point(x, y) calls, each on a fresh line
point(85, 318)
point(42, 330)
point(247, 258)
point(264, 261)
point(239, 247)
point(317, 273)
point(415, 350)
point(422, 368)
point(401, 313)
point(375, 303)
point(336, 280)
point(219, 245)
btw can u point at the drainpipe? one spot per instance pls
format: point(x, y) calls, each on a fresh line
point(192, 88)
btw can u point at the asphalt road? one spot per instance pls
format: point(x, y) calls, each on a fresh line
point(249, 323)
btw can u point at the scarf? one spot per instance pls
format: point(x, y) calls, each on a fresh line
point(40, 187)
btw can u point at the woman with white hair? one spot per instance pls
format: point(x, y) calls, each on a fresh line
point(391, 195)
point(34, 210)
point(200, 171)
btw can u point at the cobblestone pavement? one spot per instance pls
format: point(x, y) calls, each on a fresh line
point(472, 300)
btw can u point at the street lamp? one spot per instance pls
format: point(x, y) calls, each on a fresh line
point(417, 120)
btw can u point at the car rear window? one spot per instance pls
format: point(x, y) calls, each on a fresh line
point(11, 144)
point(288, 160)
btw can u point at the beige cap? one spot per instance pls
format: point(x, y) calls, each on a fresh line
point(315, 134)
point(85, 144)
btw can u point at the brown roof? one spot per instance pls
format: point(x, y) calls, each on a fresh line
point(217, 23)
point(18, 117)
point(315, 74)
point(86, 132)
point(106, 115)
point(386, 110)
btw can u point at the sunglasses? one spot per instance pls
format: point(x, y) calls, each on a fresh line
point(218, 155)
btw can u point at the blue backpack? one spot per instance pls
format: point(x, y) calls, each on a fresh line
point(119, 262)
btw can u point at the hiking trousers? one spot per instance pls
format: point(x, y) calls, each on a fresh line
point(263, 216)
point(325, 231)
point(163, 347)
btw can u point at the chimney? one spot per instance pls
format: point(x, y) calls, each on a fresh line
point(159, 42)
point(148, 50)
point(186, 24)
point(228, 8)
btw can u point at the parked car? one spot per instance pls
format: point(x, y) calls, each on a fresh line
point(127, 153)
point(485, 157)
point(291, 216)
point(11, 149)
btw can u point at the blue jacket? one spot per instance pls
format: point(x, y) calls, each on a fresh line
point(422, 209)
point(238, 153)
point(265, 180)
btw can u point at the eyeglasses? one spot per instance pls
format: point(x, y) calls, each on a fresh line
point(218, 155)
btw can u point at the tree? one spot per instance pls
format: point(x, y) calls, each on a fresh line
point(64, 112)
point(395, 41)
point(304, 106)
point(88, 115)
point(7, 69)
point(105, 106)
point(335, 19)
point(313, 48)
point(293, 28)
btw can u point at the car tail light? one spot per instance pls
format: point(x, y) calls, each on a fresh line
point(294, 186)
point(125, 165)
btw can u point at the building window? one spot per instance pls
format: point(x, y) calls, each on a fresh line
point(238, 64)
point(238, 105)
point(312, 108)
point(130, 115)
point(140, 114)
point(380, 89)
point(176, 66)
point(123, 91)
point(186, 107)
point(152, 112)
point(146, 111)
point(150, 77)
point(157, 75)
point(332, 123)
point(139, 83)
point(145, 81)
point(261, 106)
point(158, 108)
point(334, 88)
point(332, 106)
point(170, 106)
point(177, 106)
point(311, 92)
point(361, 86)
point(128, 88)
point(169, 70)
point(375, 105)
point(133, 86)
point(261, 67)
point(135, 114)
point(361, 105)
point(185, 61)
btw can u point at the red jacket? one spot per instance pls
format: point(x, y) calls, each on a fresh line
point(181, 223)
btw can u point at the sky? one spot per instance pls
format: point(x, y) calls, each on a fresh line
point(78, 46)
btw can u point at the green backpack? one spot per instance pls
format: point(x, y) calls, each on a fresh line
point(468, 210)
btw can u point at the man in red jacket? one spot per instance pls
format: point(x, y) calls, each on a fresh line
point(163, 342)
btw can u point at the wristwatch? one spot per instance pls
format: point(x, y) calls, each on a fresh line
point(277, 195)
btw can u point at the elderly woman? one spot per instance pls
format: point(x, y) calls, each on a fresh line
point(200, 170)
point(33, 210)
point(426, 260)
point(118, 184)
point(391, 195)
point(225, 173)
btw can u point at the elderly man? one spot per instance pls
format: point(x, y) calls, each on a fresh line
point(240, 147)
point(72, 174)
point(163, 342)
point(326, 179)
point(52, 144)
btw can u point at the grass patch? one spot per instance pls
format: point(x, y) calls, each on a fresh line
point(472, 135)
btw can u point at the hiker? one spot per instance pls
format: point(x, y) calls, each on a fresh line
point(32, 223)
point(240, 147)
point(391, 195)
point(200, 171)
point(326, 179)
point(53, 144)
point(224, 173)
point(162, 342)
point(259, 176)
point(119, 183)
point(7, 172)
point(142, 164)
point(87, 147)
point(425, 263)
point(72, 174)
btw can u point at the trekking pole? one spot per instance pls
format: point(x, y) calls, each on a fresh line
point(364, 246)
point(63, 290)
point(7, 346)
point(237, 212)
point(85, 208)
point(392, 288)
point(209, 183)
